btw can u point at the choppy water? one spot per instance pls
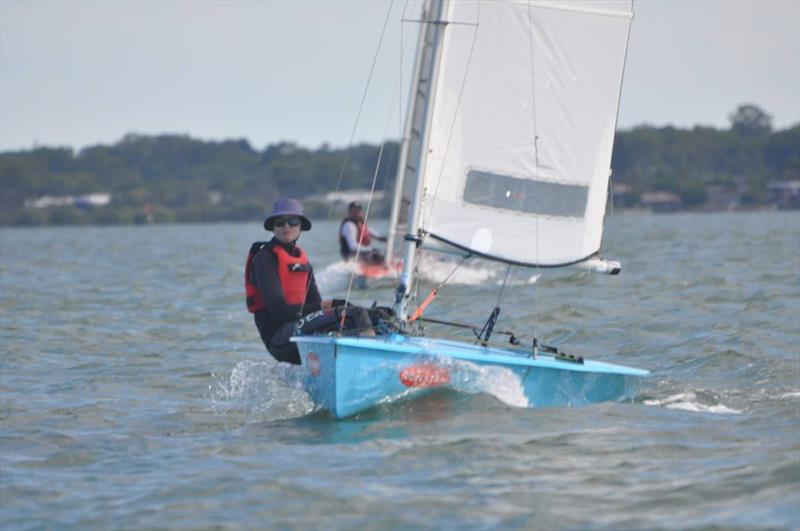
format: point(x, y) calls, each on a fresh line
point(135, 392)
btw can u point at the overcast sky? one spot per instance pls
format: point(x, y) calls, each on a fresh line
point(75, 73)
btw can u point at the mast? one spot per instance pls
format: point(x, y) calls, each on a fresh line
point(418, 95)
point(433, 19)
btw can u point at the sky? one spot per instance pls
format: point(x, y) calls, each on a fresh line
point(82, 73)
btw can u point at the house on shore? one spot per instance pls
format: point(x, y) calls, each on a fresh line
point(784, 194)
point(661, 201)
point(725, 196)
point(338, 201)
point(81, 201)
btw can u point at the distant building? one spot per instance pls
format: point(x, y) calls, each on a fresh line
point(336, 202)
point(621, 195)
point(725, 196)
point(92, 200)
point(80, 201)
point(784, 194)
point(345, 197)
point(661, 201)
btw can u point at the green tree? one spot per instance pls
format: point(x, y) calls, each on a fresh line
point(749, 120)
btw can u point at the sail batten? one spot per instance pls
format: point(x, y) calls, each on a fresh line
point(519, 144)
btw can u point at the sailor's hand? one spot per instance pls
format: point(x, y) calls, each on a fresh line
point(326, 304)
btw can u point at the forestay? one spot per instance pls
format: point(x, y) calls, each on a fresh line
point(522, 128)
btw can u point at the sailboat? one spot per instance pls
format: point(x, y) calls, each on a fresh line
point(506, 157)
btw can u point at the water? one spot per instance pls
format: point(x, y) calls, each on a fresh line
point(135, 392)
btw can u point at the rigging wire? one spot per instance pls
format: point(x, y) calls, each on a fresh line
point(400, 84)
point(355, 127)
point(503, 287)
point(434, 292)
point(535, 150)
point(361, 104)
point(395, 97)
point(488, 328)
point(366, 217)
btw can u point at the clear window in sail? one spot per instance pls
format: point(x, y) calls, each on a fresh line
point(523, 195)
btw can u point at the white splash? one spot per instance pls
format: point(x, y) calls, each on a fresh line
point(688, 402)
point(336, 276)
point(469, 274)
point(265, 390)
point(499, 382)
point(795, 394)
point(464, 377)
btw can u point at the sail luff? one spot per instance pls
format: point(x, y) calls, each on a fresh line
point(630, 16)
point(414, 102)
point(434, 16)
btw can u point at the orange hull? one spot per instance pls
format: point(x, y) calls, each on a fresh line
point(380, 270)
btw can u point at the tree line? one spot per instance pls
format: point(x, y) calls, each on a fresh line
point(174, 178)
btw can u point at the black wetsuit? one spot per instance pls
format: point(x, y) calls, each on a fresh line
point(279, 317)
point(278, 321)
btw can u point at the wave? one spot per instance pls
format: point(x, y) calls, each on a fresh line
point(690, 402)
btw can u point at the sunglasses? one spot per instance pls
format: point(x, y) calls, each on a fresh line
point(280, 222)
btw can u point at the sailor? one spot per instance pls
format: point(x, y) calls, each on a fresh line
point(355, 236)
point(281, 291)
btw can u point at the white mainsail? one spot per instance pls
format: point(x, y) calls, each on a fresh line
point(521, 128)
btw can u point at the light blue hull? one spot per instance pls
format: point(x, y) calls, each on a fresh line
point(347, 375)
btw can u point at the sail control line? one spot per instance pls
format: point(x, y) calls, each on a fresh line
point(483, 339)
point(432, 295)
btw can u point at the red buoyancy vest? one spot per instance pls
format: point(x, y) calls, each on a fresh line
point(362, 234)
point(364, 237)
point(251, 294)
point(293, 274)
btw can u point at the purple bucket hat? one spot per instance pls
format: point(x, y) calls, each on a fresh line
point(287, 207)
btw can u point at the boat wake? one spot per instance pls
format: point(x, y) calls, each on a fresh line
point(336, 276)
point(474, 273)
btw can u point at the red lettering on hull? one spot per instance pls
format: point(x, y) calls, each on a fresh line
point(313, 363)
point(424, 375)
